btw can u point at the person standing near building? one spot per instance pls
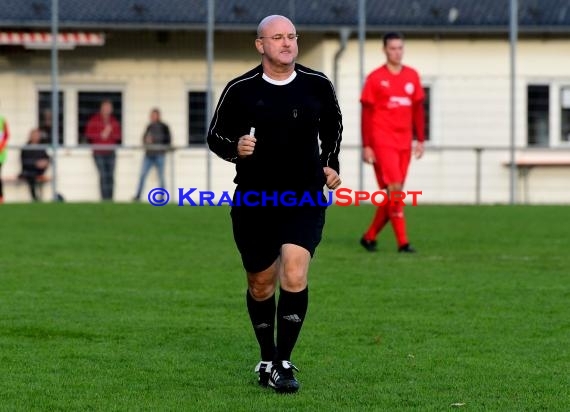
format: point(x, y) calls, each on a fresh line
point(392, 110)
point(157, 140)
point(4, 136)
point(281, 124)
point(103, 129)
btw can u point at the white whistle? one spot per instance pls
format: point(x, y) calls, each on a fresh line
point(252, 131)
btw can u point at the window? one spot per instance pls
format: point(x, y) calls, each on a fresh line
point(197, 118)
point(538, 115)
point(565, 114)
point(45, 116)
point(427, 107)
point(89, 103)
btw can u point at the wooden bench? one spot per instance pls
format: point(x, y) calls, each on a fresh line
point(525, 163)
point(17, 180)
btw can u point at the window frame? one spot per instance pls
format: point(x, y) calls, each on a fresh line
point(549, 140)
point(428, 111)
point(564, 87)
point(62, 111)
point(189, 141)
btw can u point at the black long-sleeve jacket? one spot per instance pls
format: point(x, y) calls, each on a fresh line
point(298, 127)
point(29, 157)
point(159, 133)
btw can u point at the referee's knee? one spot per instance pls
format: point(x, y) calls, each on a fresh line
point(261, 285)
point(262, 292)
point(294, 279)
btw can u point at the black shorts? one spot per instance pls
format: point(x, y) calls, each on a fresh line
point(260, 231)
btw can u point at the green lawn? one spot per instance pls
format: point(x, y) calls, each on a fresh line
point(115, 307)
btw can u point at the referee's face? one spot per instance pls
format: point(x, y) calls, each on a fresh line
point(278, 43)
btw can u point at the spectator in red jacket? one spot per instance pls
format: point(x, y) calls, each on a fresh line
point(104, 129)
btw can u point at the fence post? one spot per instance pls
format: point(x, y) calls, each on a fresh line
point(54, 94)
point(172, 173)
point(478, 152)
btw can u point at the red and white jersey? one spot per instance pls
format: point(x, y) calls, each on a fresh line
point(392, 107)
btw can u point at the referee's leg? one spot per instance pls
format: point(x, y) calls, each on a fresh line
point(293, 297)
point(261, 306)
point(292, 268)
point(275, 369)
point(259, 250)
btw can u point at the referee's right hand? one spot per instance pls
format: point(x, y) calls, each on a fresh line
point(246, 145)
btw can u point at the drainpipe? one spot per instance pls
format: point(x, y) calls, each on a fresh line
point(344, 35)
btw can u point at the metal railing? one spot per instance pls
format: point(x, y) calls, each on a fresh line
point(448, 174)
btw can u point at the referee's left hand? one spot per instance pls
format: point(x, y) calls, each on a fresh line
point(333, 179)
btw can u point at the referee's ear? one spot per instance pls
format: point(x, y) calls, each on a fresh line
point(259, 46)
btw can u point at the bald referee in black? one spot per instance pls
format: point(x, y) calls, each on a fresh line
point(281, 124)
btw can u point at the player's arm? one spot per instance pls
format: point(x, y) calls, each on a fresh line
point(331, 129)
point(366, 123)
point(419, 120)
point(366, 115)
point(222, 138)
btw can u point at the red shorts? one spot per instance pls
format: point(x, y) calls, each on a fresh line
point(391, 165)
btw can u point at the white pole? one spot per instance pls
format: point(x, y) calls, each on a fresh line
point(209, 97)
point(361, 41)
point(513, 35)
point(54, 95)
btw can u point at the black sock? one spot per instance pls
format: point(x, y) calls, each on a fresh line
point(262, 315)
point(291, 312)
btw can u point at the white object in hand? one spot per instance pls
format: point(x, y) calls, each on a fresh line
point(252, 131)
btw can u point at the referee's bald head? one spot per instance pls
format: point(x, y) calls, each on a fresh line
point(268, 20)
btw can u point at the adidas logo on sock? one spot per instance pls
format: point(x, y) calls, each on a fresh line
point(292, 318)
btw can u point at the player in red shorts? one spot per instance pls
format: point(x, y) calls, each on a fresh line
point(392, 110)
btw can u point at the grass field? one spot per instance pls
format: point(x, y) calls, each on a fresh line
point(116, 307)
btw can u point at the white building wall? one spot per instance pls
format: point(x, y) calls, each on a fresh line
point(469, 80)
